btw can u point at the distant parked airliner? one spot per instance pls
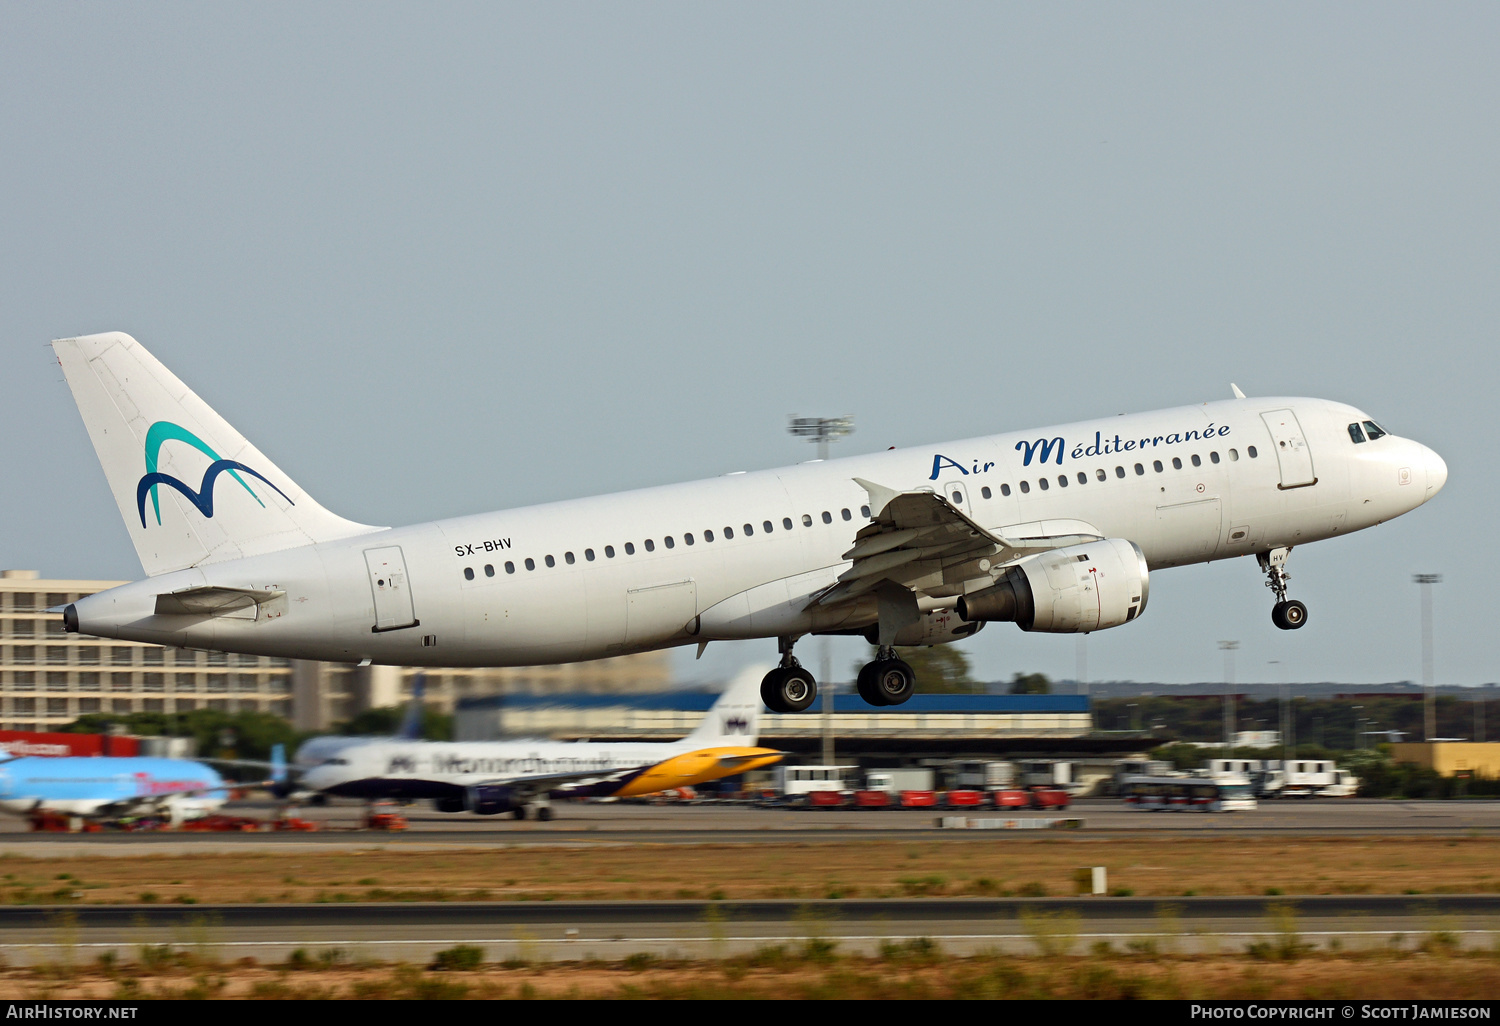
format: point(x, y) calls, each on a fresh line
point(1053, 529)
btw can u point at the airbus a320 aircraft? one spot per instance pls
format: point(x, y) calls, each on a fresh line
point(491, 777)
point(1055, 529)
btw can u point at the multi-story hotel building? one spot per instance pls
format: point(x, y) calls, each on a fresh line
point(49, 678)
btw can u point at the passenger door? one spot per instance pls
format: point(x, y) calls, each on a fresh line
point(392, 591)
point(1292, 454)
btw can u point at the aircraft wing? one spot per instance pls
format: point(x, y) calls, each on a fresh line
point(922, 541)
point(154, 802)
point(544, 783)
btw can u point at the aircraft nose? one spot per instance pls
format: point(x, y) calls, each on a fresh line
point(1437, 471)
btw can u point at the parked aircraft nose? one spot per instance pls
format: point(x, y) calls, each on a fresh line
point(1437, 471)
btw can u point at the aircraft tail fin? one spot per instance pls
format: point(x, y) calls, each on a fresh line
point(191, 488)
point(411, 726)
point(735, 718)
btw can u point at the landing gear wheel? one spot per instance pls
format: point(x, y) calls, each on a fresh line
point(895, 681)
point(1289, 615)
point(769, 685)
point(544, 813)
point(886, 682)
point(866, 685)
point(788, 689)
point(519, 812)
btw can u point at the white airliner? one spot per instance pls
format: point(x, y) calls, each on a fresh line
point(490, 777)
point(1053, 529)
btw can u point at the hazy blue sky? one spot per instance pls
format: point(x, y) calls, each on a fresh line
point(436, 259)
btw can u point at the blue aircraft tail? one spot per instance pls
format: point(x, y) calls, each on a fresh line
point(280, 786)
point(411, 727)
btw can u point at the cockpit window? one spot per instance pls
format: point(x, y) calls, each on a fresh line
point(1374, 430)
point(1355, 433)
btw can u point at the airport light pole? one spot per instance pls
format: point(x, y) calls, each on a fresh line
point(1083, 674)
point(1285, 705)
point(824, 431)
point(1228, 648)
point(1426, 581)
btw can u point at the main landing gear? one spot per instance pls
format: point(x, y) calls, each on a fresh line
point(886, 680)
point(789, 688)
point(1286, 614)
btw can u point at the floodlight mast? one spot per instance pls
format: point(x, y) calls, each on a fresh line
point(823, 431)
point(1429, 698)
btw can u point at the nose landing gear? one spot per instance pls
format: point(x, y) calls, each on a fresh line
point(1285, 614)
point(790, 687)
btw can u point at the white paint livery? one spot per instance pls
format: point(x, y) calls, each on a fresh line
point(885, 544)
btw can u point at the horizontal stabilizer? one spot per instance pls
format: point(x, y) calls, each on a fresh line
point(238, 603)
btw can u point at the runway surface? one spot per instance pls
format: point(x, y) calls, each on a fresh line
point(617, 823)
point(552, 931)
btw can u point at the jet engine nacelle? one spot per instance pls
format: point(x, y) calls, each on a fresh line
point(935, 628)
point(1071, 590)
point(488, 801)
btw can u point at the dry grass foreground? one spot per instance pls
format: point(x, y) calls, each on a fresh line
point(912, 972)
point(1153, 866)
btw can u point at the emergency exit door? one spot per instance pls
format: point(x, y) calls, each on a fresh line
point(392, 591)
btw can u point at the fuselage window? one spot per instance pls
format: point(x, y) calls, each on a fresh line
point(806, 520)
point(688, 537)
point(1139, 470)
point(1062, 480)
point(1119, 472)
point(708, 536)
point(1355, 434)
point(609, 552)
point(1041, 483)
point(749, 530)
point(530, 563)
point(1083, 478)
point(1101, 475)
point(786, 523)
point(827, 517)
point(468, 573)
point(510, 567)
point(650, 545)
point(1156, 464)
point(1213, 457)
point(846, 514)
point(1250, 451)
point(1374, 430)
point(630, 548)
point(957, 497)
point(1234, 454)
point(864, 511)
point(489, 570)
point(985, 492)
point(669, 542)
point(767, 527)
point(551, 561)
point(1197, 462)
point(1005, 489)
point(568, 558)
point(1025, 487)
point(728, 532)
point(1176, 462)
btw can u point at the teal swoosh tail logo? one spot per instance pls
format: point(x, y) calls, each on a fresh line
point(164, 431)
